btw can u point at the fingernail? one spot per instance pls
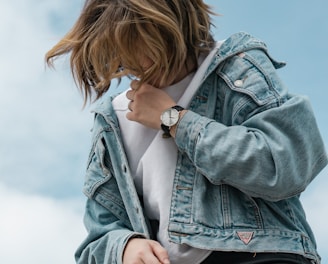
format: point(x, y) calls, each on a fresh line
point(166, 261)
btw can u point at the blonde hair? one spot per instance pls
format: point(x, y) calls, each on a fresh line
point(110, 37)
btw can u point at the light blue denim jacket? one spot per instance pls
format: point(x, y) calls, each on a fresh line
point(247, 149)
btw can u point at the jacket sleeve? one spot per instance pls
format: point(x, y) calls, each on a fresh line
point(107, 236)
point(271, 150)
point(106, 219)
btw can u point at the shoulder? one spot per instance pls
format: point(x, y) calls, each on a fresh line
point(247, 67)
point(249, 74)
point(244, 63)
point(240, 41)
point(244, 42)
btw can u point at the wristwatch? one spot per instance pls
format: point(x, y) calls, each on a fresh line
point(169, 118)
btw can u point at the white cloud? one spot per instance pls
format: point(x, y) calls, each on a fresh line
point(44, 136)
point(35, 229)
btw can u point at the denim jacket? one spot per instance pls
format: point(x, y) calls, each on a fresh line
point(247, 149)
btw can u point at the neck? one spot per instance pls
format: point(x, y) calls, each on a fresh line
point(189, 67)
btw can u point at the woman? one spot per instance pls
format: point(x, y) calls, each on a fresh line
point(204, 158)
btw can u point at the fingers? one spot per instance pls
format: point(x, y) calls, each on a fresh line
point(130, 106)
point(150, 259)
point(135, 84)
point(143, 251)
point(160, 253)
point(130, 94)
point(147, 104)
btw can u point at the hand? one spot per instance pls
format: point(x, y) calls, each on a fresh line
point(144, 251)
point(147, 104)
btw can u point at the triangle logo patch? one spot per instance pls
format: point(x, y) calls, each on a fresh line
point(246, 237)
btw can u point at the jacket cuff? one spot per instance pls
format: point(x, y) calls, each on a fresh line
point(188, 131)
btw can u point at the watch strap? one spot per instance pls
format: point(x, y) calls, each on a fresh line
point(178, 108)
point(166, 131)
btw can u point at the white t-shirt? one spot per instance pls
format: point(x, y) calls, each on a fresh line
point(152, 161)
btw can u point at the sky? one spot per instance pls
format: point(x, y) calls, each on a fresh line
point(45, 134)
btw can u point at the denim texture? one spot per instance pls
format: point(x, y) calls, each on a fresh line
point(247, 150)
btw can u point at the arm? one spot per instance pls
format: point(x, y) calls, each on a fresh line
point(273, 155)
point(268, 144)
point(265, 142)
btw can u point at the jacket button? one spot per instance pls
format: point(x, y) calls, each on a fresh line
point(238, 83)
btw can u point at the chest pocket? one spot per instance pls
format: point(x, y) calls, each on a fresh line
point(252, 85)
point(100, 184)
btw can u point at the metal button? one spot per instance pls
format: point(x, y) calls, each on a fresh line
point(241, 55)
point(239, 83)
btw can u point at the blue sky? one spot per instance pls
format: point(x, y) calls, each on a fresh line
point(45, 135)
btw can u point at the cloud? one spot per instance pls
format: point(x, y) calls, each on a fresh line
point(44, 136)
point(35, 229)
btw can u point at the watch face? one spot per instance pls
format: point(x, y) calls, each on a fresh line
point(170, 117)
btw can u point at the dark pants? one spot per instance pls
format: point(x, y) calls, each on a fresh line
point(252, 258)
